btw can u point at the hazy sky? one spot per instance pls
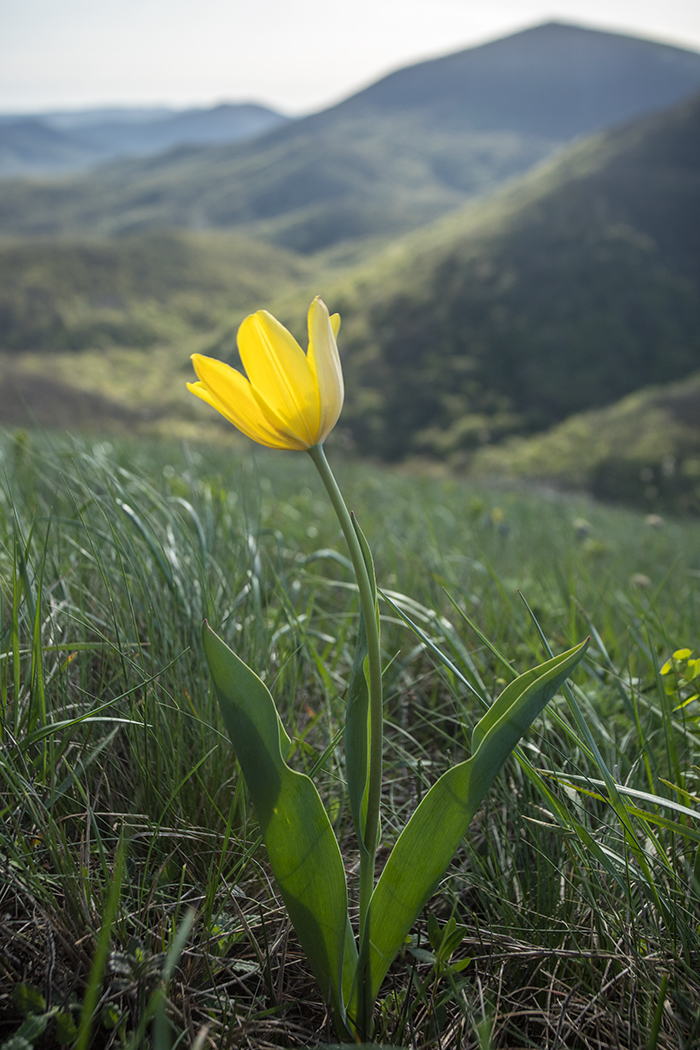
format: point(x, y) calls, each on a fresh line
point(296, 55)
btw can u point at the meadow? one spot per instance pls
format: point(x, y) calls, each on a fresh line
point(136, 904)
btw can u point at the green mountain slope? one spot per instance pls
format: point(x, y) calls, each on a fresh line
point(97, 334)
point(644, 450)
point(567, 292)
point(134, 291)
point(359, 177)
point(393, 157)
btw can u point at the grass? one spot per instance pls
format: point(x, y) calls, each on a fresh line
point(136, 902)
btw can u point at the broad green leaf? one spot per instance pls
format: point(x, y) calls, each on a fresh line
point(33, 1026)
point(300, 842)
point(430, 839)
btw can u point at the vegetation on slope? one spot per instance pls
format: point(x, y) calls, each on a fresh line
point(380, 174)
point(560, 295)
point(134, 291)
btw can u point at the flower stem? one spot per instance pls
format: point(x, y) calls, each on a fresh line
point(368, 848)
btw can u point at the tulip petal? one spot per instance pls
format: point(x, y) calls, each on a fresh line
point(324, 362)
point(280, 376)
point(230, 393)
point(288, 399)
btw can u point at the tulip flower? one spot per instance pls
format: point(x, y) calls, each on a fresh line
point(289, 399)
point(292, 400)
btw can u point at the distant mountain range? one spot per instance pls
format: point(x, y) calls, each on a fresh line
point(397, 155)
point(46, 143)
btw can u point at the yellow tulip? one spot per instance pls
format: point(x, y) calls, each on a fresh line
point(290, 399)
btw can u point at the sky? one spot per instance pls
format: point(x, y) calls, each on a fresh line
point(296, 56)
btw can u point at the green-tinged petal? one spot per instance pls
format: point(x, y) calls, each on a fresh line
point(324, 362)
point(230, 393)
point(279, 372)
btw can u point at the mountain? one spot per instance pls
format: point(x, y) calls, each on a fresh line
point(397, 155)
point(53, 142)
point(564, 293)
point(73, 119)
point(29, 144)
point(192, 127)
point(555, 81)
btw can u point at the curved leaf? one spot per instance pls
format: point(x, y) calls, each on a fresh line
point(300, 842)
point(431, 837)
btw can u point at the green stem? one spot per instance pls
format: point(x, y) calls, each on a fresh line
point(368, 601)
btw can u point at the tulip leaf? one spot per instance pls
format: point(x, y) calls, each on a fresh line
point(431, 837)
point(300, 842)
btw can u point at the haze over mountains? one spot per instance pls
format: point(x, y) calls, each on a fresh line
point(46, 143)
point(395, 156)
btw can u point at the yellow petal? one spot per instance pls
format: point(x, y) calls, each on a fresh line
point(280, 375)
point(324, 362)
point(230, 393)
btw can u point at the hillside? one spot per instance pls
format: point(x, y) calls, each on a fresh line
point(395, 156)
point(135, 291)
point(565, 293)
point(643, 450)
point(554, 80)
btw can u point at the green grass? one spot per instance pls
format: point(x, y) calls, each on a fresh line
point(120, 800)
